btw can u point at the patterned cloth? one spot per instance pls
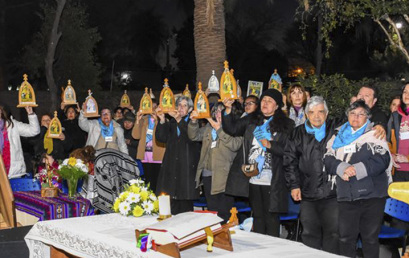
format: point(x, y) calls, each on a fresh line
point(46, 208)
point(112, 170)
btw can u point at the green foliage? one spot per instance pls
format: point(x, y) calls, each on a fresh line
point(74, 57)
point(338, 90)
point(69, 172)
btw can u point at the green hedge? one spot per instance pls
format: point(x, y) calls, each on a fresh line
point(338, 90)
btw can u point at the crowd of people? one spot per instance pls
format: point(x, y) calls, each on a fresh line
point(264, 149)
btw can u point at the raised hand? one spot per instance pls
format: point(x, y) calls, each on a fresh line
point(29, 110)
point(215, 124)
point(193, 116)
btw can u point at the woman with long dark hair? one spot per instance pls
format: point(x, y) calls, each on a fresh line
point(10, 144)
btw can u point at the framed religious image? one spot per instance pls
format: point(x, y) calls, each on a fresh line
point(69, 97)
point(213, 84)
point(91, 106)
point(166, 99)
point(239, 93)
point(187, 92)
point(55, 128)
point(228, 85)
point(255, 88)
point(125, 101)
point(275, 81)
point(26, 95)
point(201, 105)
point(145, 106)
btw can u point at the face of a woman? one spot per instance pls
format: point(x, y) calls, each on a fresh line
point(297, 97)
point(71, 114)
point(405, 95)
point(118, 114)
point(357, 118)
point(45, 121)
point(268, 106)
point(394, 105)
point(183, 108)
point(106, 117)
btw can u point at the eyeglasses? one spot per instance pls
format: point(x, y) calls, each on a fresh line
point(357, 115)
point(105, 114)
point(249, 103)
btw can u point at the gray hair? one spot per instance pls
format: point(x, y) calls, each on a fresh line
point(315, 101)
point(188, 100)
point(359, 104)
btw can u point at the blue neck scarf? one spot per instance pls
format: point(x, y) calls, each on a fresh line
point(345, 135)
point(319, 133)
point(177, 126)
point(214, 134)
point(263, 132)
point(151, 125)
point(106, 131)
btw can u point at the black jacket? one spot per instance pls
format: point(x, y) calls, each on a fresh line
point(372, 162)
point(303, 163)
point(60, 148)
point(378, 117)
point(72, 131)
point(133, 144)
point(238, 184)
point(179, 165)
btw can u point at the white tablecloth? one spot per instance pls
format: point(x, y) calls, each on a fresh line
point(113, 236)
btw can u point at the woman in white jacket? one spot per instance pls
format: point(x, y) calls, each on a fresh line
point(10, 144)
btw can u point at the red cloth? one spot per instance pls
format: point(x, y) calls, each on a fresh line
point(6, 151)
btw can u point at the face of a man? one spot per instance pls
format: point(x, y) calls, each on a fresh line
point(317, 115)
point(250, 105)
point(106, 117)
point(183, 108)
point(368, 95)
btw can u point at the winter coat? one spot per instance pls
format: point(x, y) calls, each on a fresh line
point(372, 162)
point(94, 132)
point(139, 133)
point(238, 184)
point(17, 165)
point(179, 165)
point(304, 164)
point(72, 131)
point(222, 155)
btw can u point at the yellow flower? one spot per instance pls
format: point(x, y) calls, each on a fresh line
point(116, 205)
point(72, 161)
point(123, 196)
point(137, 211)
point(156, 205)
point(144, 195)
point(134, 189)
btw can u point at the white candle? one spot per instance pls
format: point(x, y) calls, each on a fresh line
point(164, 204)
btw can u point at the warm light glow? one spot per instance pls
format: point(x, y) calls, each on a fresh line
point(399, 25)
point(299, 70)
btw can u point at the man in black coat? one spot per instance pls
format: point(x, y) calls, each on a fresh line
point(307, 179)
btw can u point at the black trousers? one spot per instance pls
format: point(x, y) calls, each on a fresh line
point(151, 171)
point(362, 217)
point(220, 202)
point(264, 221)
point(180, 206)
point(320, 224)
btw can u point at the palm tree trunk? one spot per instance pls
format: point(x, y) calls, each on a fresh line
point(55, 36)
point(210, 42)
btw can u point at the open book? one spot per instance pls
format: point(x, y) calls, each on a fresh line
point(184, 228)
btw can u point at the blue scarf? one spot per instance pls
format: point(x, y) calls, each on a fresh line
point(345, 135)
point(106, 131)
point(177, 127)
point(214, 134)
point(319, 133)
point(151, 125)
point(263, 132)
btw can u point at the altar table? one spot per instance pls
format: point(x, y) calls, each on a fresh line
point(49, 208)
point(113, 236)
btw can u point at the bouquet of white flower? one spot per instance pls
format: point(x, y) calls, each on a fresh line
point(71, 170)
point(136, 200)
